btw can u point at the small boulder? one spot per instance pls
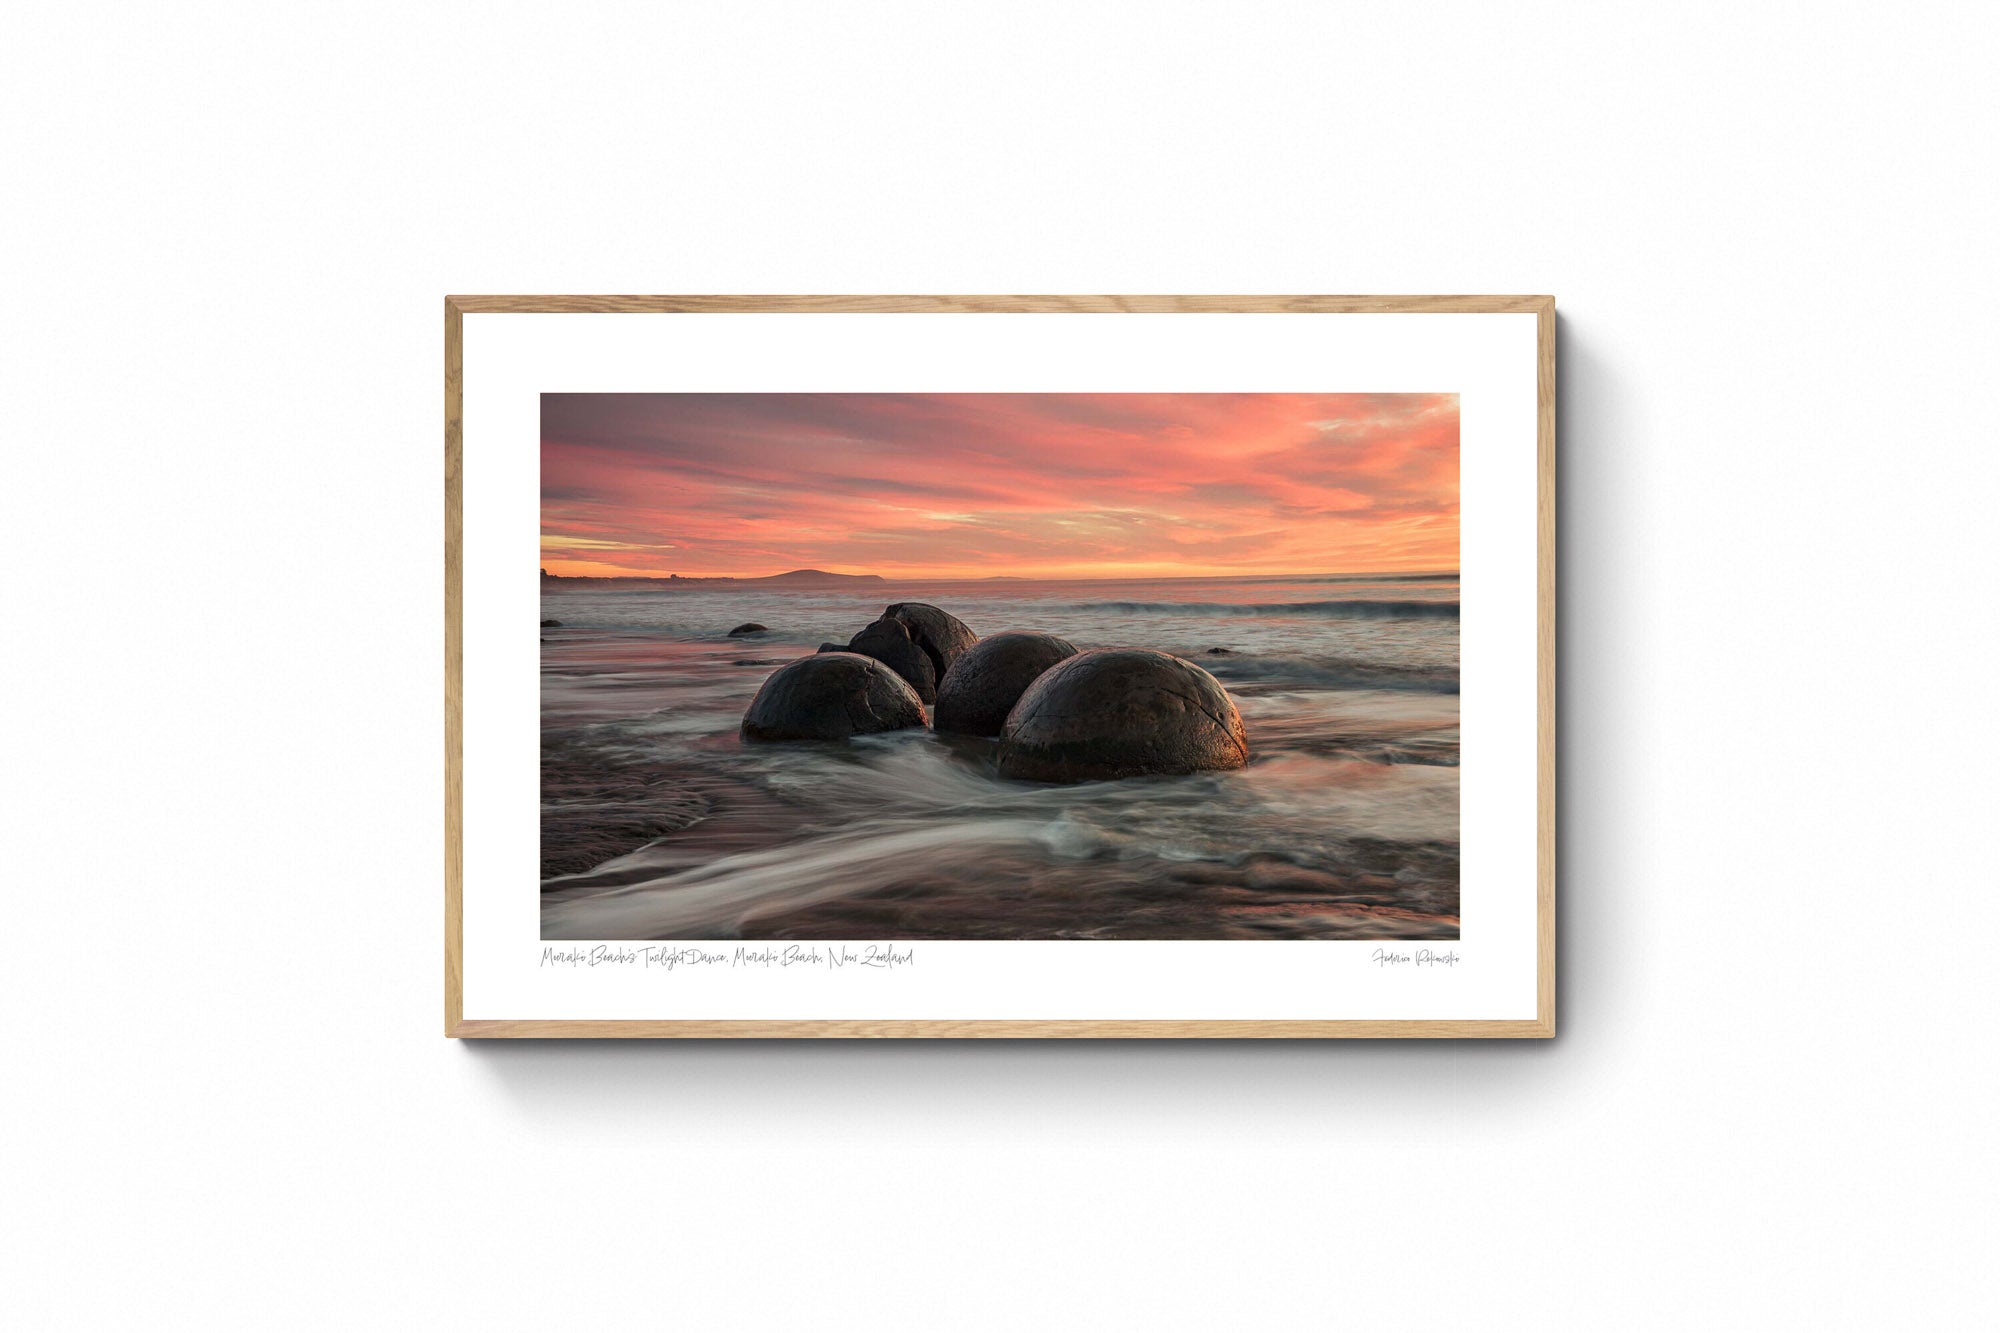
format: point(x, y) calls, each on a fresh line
point(1120, 713)
point(747, 627)
point(1222, 652)
point(830, 697)
point(987, 680)
point(551, 624)
point(888, 642)
point(833, 648)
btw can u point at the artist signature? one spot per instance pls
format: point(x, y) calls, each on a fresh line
point(1416, 957)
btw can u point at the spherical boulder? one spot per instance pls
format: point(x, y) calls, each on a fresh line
point(747, 627)
point(830, 697)
point(942, 635)
point(1120, 713)
point(888, 642)
point(987, 680)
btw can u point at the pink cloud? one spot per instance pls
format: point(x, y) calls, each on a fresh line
point(967, 485)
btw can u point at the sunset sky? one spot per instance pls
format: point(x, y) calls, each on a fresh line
point(971, 485)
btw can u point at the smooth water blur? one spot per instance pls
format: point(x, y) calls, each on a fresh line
point(1345, 824)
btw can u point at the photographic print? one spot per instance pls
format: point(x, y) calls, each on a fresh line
point(1004, 666)
point(999, 666)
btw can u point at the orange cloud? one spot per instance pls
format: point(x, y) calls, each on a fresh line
point(967, 485)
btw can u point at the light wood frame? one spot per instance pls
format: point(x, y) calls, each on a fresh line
point(1542, 1025)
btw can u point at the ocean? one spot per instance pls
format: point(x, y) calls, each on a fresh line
point(659, 822)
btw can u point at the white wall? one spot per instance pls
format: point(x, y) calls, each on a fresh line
point(227, 232)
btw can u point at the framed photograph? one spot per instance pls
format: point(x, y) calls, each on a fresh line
point(1000, 666)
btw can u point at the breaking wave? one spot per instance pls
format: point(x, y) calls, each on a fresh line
point(1330, 673)
point(1342, 610)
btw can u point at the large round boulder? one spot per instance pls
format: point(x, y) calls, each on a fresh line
point(1120, 713)
point(987, 680)
point(830, 697)
point(888, 642)
point(747, 627)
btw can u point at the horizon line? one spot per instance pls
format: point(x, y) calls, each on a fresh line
point(1023, 578)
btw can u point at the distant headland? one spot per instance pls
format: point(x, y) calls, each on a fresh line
point(797, 578)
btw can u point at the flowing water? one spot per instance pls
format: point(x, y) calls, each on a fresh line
point(660, 823)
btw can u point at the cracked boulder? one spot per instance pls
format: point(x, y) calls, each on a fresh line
point(989, 678)
point(830, 697)
point(1121, 713)
point(918, 642)
point(888, 642)
point(941, 635)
